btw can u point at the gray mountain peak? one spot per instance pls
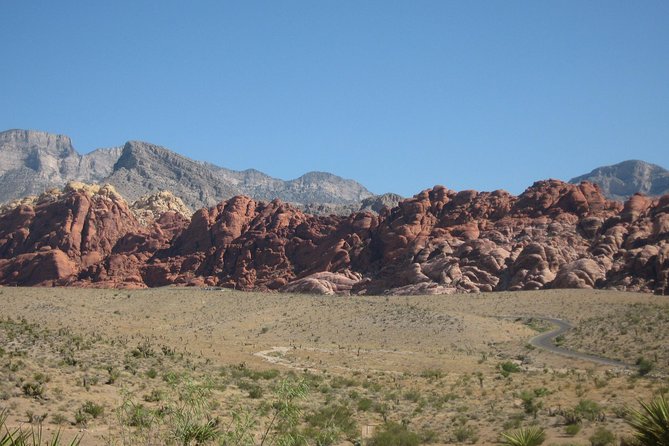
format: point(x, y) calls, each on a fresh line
point(620, 181)
point(32, 162)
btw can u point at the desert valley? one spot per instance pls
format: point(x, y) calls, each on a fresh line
point(192, 366)
point(336, 318)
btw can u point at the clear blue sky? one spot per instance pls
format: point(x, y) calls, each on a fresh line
point(397, 95)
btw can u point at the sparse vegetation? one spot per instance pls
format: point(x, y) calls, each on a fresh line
point(602, 437)
point(394, 434)
point(188, 392)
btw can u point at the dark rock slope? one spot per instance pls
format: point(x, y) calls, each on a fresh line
point(554, 235)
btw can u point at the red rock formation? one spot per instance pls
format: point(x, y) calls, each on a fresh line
point(440, 241)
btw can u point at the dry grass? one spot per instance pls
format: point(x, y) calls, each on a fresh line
point(431, 363)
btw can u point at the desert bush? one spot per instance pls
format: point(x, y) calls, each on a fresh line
point(92, 409)
point(393, 434)
point(365, 404)
point(645, 366)
point(432, 374)
point(572, 429)
point(143, 350)
point(465, 433)
point(114, 374)
point(602, 437)
point(412, 395)
point(286, 413)
point(154, 396)
point(136, 415)
point(530, 404)
point(336, 420)
point(81, 418)
point(338, 382)
point(588, 409)
point(255, 392)
point(508, 367)
point(33, 389)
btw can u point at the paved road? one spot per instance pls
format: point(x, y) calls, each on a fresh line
point(546, 341)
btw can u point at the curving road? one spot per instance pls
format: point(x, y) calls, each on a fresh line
point(546, 341)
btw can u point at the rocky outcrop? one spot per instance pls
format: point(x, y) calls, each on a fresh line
point(76, 235)
point(150, 208)
point(622, 180)
point(554, 235)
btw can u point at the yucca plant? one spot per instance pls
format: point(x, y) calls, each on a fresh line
point(33, 437)
point(7, 437)
point(651, 422)
point(525, 436)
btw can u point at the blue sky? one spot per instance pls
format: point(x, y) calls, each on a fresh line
point(397, 95)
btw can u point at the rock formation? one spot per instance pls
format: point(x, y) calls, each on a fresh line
point(554, 235)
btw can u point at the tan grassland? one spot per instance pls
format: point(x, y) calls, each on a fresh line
point(115, 365)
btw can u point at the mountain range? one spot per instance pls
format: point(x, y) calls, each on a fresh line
point(32, 162)
point(152, 217)
point(622, 180)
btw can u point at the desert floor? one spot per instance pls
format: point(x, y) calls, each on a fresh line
point(455, 369)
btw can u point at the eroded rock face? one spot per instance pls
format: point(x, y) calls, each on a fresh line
point(554, 235)
point(149, 208)
point(62, 237)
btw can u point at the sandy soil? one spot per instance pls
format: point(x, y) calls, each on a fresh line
point(392, 339)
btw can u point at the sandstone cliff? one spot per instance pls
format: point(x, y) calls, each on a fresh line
point(554, 235)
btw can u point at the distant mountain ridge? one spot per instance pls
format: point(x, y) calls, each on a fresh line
point(32, 162)
point(622, 180)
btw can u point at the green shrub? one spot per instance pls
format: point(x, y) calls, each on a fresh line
point(335, 419)
point(114, 374)
point(393, 434)
point(138, 415)
point(33, 389)
point(432, 374)
point(602, 437)
point(508, 367)
point(572, 429)
point(58, 418)
point(412, 395)
point(92, 409)
point(365, 404)
point(255, 392)
point(154, 397)
point(645, 366)
point(530, 403)
point(588, 409)
point(465, 433)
